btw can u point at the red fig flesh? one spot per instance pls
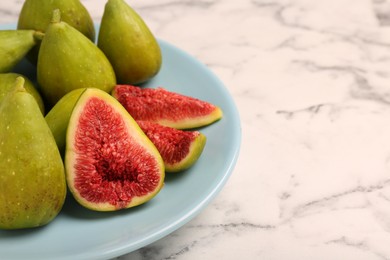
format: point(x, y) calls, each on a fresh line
point(179, 149)
point(165, 107)
point(110, 163)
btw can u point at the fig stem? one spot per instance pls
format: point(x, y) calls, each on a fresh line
point(56, 18)
point(38, 36)
point(19, 84)
point(17, 87)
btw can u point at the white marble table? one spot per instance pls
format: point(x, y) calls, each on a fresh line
point(311, 80)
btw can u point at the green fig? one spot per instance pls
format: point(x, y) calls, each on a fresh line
point(37, 14)
point(67, 60)
point(58, 117)
point(128, 43)
point(32, 179)
point(7, 81)
point(15, 44)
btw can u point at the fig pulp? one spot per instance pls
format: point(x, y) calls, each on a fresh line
point(68, 60)
point(37, 14)
point(128, 43)
point(179, 149)
point(7, 82)
point(110, 163)
point(165, 107)
point(15, 44)
point(32, 178)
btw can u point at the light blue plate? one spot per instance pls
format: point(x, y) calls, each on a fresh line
point(78, 233)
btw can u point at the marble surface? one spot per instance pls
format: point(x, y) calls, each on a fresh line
point(311, 80)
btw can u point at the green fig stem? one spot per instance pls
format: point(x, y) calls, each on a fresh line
point(38, 36)
point(56, 18)
point(19, 85)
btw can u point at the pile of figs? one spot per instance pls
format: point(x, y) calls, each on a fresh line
point(85, 125)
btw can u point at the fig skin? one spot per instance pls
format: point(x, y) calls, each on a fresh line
point(68, 60)
point(58, 117)
point(15, 44)
point(90, 167)
point(194, 153)
point(128, 43)
point(173, 143)
point(32, 179)
point(7, 81)
point(37, 14)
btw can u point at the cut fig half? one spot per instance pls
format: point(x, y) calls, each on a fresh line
point(179, 149)
point(110, 163)
point(165, 107)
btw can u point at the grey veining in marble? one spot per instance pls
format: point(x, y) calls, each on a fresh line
point(311, 80)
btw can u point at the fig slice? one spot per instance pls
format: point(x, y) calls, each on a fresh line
point(165, 107)
point(179, 149)
point(110, 163)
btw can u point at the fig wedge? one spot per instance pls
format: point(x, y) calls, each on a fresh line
point(110, 163)
point(165, 107)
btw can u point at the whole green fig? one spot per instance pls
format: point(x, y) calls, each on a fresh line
point(37, 14)
point(68, 60)
point(32, 179)
point(58, 117)
point(128, 43)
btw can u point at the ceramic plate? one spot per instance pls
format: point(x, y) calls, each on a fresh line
point(78, 233)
